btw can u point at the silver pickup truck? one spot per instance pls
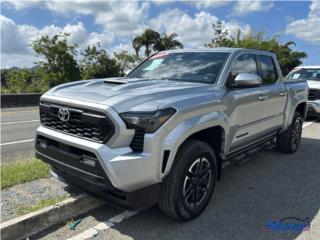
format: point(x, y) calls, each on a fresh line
point(162, 133)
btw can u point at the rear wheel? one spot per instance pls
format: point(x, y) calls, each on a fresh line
point(187, 189)
point(289, 140)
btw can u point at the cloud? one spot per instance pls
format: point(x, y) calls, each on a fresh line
point(242, 7)
point(16, 39)
point(122, 47)
point(104, 38)
point(125, 19)
point(18, 60)
point(193, 31)
point(159, 2)
point(79, 34)
point(12, 39)
point(14, 44)
point(308, 28)
point(205, 4)
point(119, 17)
point(21, 4)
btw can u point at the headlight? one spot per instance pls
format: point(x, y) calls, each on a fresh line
point(149, 121)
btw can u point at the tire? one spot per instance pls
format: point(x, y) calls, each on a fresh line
point(194, 168)
point(289, 140)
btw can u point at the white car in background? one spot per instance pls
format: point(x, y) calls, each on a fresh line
point(312, 75)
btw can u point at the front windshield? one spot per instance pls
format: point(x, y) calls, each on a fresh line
point(305, 74)
point(182, 66)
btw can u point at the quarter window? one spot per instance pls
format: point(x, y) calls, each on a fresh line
point(268, 71)
point(246, 63)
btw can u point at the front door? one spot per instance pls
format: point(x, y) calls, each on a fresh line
point(254, 113)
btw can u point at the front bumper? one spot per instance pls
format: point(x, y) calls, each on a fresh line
point(126, 170)
point(77, 162)
point(314, 107)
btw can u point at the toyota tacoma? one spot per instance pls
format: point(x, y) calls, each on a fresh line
point(161, 134)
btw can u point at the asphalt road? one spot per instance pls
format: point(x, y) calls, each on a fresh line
point(270, 187)
point(18, 127)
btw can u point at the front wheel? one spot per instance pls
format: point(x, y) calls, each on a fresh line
point(289, 140)
point(187, 189)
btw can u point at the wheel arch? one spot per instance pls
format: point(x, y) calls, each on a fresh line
point(216, 142)
point(302, 109)
point(213, 135)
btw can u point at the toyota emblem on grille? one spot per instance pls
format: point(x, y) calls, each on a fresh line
point(64, 114)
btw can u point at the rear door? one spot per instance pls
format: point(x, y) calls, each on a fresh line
point(276, 93)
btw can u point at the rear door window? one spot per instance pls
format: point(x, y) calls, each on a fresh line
point(267, 70)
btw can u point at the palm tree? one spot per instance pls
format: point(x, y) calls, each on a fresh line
point(168, 42)
point(147, 39)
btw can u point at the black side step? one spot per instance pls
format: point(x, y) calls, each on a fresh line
point(242, 156)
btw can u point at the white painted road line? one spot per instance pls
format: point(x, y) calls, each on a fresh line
point(22, 141)
point(13, 112)
point(101, 226)
point(29, 121)
point(307, 124)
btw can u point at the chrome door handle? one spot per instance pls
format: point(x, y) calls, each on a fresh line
point(282, 94)
point(263, 97)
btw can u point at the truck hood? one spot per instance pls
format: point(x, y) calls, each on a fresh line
point(314, 84)
point(131, 94)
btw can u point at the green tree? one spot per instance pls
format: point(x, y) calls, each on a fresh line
point(17, 80)
point(96, 63)
point(21, 81)
point(220, 36)
point(152, 40)
point(148, 39)
point(167, 42)
point(287, 57)
point(59, 64)
point(127, 61)
point(4, 81)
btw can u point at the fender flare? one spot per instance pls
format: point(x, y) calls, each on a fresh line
point(187, 128)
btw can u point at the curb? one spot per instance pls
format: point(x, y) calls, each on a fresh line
point(31, 223)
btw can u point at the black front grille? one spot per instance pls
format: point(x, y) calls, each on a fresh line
point(314, 94)
point(138, 141)
point(71, 156)
point(85, 124)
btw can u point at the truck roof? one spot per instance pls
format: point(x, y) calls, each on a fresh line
point(220, 49)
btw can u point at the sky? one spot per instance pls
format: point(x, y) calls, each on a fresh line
point(115, 23)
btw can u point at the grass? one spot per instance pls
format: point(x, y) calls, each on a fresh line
point(22, 210)
point(23, 171)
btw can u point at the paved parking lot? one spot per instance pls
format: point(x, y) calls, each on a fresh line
point(270, 187)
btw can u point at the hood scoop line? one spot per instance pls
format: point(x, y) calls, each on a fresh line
point(115, 82)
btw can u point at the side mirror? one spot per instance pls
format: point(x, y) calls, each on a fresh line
point(247, 80)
